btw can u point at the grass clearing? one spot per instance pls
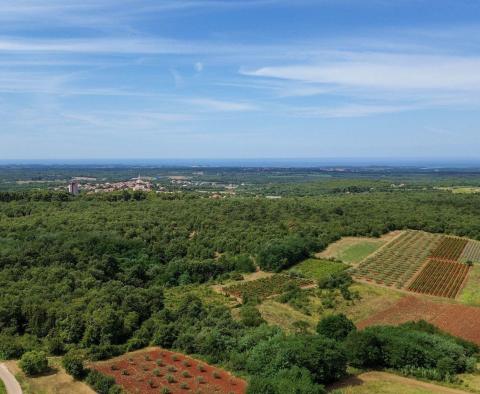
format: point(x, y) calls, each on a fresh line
point(470, 295)
point(353, 250)
point(317, 269)
point(374, 299)
point(174, 295)
point(386, 383)
point(57, 381)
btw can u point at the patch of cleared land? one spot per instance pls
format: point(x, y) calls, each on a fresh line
point(156, 370)
point(317, 269)
point(470, 295)
point(208, 294)
point(373, 300)
point(55, 382)
point(387, 383)
point(459, 320)
point(352, 250)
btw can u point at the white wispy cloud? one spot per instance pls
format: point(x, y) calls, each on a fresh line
point(385, 71)
point(221, 105)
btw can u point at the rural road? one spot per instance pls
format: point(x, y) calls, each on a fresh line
point(9, 380)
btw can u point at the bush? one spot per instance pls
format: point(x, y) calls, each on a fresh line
point(322, 357)
point(34, 363)
point(250, 316)
point(409, 347)
point(364, 349)
point(10, 347)
point(73, 364)
point(101, 383)
point(295, 380)
point(335, 327)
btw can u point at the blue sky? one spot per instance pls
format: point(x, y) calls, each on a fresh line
point(85, 79)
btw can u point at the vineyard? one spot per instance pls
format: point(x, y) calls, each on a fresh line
point(265, 287)
point(398, 261)
point(421, 262)
point(440, 278)
point(450, 248)
point(471, 252)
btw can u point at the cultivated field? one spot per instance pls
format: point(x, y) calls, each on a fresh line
point(352, 250)
point(398, 261)
point(449, 248)
point(156, 371)
point(421, 262)
point(471, 252)
point(459, 320)
point(265, 287)
point(440, 278)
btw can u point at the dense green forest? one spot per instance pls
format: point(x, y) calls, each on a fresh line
point(89, 272)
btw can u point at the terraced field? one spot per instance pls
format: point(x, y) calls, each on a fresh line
point(398, 261)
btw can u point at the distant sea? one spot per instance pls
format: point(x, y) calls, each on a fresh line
point(427, 163)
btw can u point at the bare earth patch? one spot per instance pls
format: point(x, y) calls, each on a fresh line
point(459, 320)
point(150, 370)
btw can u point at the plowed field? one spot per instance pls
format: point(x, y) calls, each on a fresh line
point(151, 370)
point(459, 320)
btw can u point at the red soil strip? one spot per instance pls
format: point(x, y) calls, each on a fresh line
point(459, 320)
point(137, 373)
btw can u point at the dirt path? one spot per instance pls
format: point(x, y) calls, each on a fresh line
point(389, 377)
point(13, 387)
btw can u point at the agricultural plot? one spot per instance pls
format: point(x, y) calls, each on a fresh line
point(459, 320)
point(265, 287)
point(398, 261)
point(157, 371)
point(450, 248)
point(471, 252)
point(440, 278)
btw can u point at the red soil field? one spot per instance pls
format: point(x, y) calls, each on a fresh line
point(459, 320)
point(149, 371)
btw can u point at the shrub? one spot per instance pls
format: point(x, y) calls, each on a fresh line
point(364, 349)
point(184, 386)
point(156, 372)
point(295, 380)
point(165, 390)
point(34, 363)
point(250, 316)
point(185, 374)
point(216, 375)
point(73, 364)
point(335, 327)
point(101, 383)
point(55, 346)
point(170, 379)
point(323, 358)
